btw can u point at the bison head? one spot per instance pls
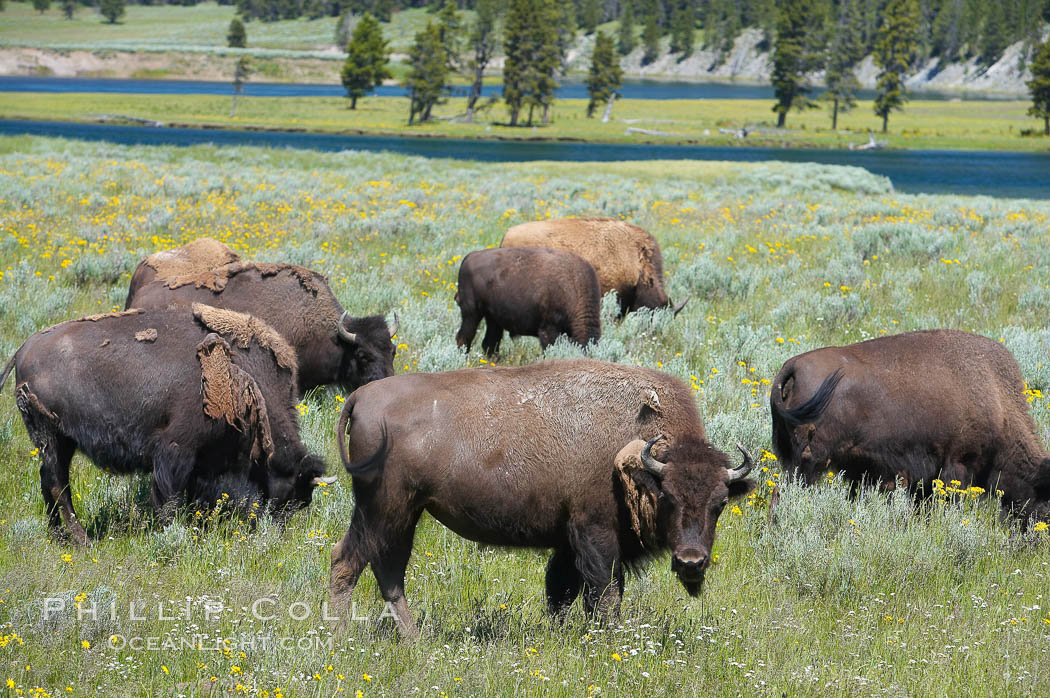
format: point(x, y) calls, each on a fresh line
point(368, 350)
point(289, 490)
point(694, 483)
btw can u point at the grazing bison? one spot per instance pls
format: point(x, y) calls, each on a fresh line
point(916, 406)
point(203, 400)
point(297, 302)
point(607, 464)
point(528, 291)
point(189, 260)
point(626, 257)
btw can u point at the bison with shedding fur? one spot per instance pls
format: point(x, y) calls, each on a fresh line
point(626, 257)
point(188, 261)
point(606, 464)
point(912, 407)
point(171, 392)
point(527, 291)
point(333, 348)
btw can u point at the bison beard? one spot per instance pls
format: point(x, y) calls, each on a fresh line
point(549, 456)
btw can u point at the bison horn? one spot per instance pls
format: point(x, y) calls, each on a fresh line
point(343, 332)
point(651, 464)
point(323, 480)
point(741, 471)
point(393, 329)
point(678, 308)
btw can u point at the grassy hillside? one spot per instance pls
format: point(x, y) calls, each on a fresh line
point(993, 125)
point(835, 597)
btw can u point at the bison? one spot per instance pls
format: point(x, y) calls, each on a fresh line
point(332, 347)
point(606, 464)
point(914, 407)
point(190, 260)
point(528, 291)
point(626, 257)
point(200, 399)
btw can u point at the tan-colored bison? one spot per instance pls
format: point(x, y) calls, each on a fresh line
point(626, 257)
point(188, 261)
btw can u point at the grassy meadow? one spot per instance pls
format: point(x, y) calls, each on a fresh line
point(984, 125)
point(833, 597)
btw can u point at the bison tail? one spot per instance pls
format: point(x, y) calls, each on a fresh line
point(368, 468)
point(812, 408)
point(7, 370)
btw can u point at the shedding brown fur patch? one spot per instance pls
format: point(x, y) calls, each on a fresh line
point(103, 316)
point(243, 329)
point(147, 335)
point(192, 259)
point(216, 278)
point(640, 500)
point(231, 394)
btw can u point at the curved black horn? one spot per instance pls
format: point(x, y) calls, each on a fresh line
point(651, 464)
point(393, 329)
point(742, 470)
point(678, 308)
point(343, 332)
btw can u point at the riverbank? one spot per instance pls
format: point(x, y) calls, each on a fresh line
point(936, 125)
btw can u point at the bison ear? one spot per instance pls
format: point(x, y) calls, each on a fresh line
point(738, 488)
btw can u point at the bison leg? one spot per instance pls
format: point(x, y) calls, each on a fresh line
point(598, 562)
point(493, 335)
point(468, 328)
point(563, 583)
point(389, 566)
point(348, 562)
point(171, 475)
point(56, 454)
point(547, 337)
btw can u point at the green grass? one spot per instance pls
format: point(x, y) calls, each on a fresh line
point(992, 125)
point(835, 597)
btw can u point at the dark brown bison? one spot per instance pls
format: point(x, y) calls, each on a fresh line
point(204, 400)
point(528, 291)
point(626, 257)
point(190, 260)
point(607, 464)
point(914, 407)
point(333, 348)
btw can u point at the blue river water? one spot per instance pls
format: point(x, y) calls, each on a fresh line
point(632, 89)
point(1001, 174)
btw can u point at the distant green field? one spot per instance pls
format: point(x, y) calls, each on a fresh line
point(992, 125)
point(153, 27)
point(835, 596)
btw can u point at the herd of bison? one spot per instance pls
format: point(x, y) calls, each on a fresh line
point(197, 381)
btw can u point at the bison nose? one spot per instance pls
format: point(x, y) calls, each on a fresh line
point(691, 563)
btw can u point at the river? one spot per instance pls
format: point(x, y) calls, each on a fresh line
point(992, 173)
point(632, 89)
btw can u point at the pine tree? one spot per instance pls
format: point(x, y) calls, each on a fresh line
point(625, 38)
point(112, 10)
point(241, 72)
point(236, 37)
point(450, 26)
point(651, 38)
point(793, 57)
point(590, 15)
point(896, 46)
point(366, 59)
point(843, 55)
point(483, 41)
point(1039, 86)
point(605, 75)
point(518, 47)
point(683, 29)
point(69, 8)
point(536, 38)
point(994, 38)
point(41, 6)
point(429, 72)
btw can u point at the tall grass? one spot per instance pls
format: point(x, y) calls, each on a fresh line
point(831, 596)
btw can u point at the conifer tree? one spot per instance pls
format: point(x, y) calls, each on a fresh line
point(429, 72)
point(236, 37)
point(590, 15)
point(1039, 86)
point(896, 47)
point(41, 6)
point(69, 8)
point(843, 55)
point(626, 39)
point(483, 42)
point(605, 75)
point(793, 57)
point(651, 38)
point(366, 60)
